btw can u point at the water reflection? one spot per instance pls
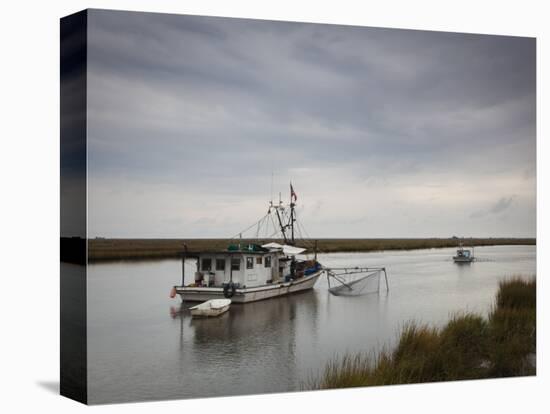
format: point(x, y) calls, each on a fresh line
point(264, 333)
point(144, 345)
point(271, 321)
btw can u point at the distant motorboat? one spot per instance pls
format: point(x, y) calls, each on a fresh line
point(213, 307)
point(464, 255)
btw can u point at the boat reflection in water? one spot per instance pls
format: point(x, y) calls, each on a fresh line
point(247, 339)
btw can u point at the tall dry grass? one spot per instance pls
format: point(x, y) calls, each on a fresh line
point(135, 249)
point(467, 347)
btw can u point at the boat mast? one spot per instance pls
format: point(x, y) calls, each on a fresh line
point(292, 217)
point(291, 224)
point(291, 220)
point(279, 219)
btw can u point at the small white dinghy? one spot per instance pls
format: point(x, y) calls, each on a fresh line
point(212, 307)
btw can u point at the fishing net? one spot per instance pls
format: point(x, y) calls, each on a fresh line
point(355, 285)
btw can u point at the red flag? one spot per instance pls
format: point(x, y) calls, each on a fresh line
point(292, 193)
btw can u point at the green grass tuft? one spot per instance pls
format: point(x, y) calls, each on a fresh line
point(517, 293)
point(467, 347)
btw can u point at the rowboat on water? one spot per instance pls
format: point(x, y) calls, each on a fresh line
point(213, 307)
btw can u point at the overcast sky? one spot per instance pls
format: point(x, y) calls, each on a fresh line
point(383, 132)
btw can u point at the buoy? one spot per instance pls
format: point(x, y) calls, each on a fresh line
point(173, 292)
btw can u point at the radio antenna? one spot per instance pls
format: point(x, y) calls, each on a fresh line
point(271, 200)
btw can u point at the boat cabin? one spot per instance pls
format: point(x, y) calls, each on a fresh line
point(245, 266)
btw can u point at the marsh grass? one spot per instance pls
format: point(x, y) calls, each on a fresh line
point(146, 249)
point(513, 328)
point(517, 293)
point(467, 347)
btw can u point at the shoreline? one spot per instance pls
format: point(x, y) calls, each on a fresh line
point(111, 250)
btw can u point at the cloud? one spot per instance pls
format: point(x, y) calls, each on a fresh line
point(364, 121)
point(501, 205)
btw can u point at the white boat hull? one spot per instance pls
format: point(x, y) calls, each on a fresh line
point(458, 259)
point(211, 308)
point(210, 312)
point(201, 294)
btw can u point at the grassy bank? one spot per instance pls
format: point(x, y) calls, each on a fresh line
point(133, 249)
point(468, 347)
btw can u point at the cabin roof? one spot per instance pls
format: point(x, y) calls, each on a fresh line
point(227, 253)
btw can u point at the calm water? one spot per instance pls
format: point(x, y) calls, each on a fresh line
point(143, 345)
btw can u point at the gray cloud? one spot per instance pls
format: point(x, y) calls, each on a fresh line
point(502, 205)
point(498, 207)
point(190, 115)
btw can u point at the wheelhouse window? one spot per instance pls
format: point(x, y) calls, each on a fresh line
point(206, 264)
point(259, 260)
point(220, 264)
point(235, 263)
point(267, 261)
point(250, 263)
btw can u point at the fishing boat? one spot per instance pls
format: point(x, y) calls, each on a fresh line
point(247, 272)
point(213, 307)
point(464, 255)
